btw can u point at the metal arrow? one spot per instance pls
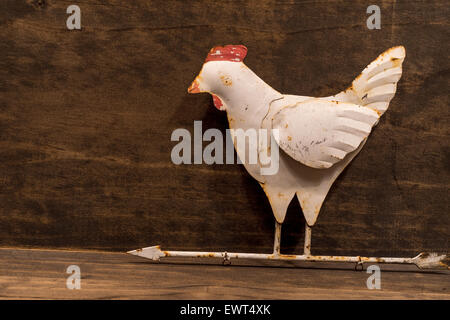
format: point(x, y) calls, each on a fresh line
point(422, 261)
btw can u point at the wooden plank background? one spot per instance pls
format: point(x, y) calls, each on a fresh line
point(86, 118)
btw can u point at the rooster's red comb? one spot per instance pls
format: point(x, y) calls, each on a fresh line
point(234, 53)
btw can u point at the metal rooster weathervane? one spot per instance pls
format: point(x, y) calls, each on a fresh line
point(319, 137)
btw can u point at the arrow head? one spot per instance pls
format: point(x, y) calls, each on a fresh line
point(152, 253)
point(427, 260)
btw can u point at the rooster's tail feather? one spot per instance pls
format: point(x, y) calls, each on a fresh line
point(377, 84)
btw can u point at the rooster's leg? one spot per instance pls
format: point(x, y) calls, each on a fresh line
point(277, 240)
point(307, 248)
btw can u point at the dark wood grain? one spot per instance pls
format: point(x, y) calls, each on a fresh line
point(86, 118)
point(41, 274)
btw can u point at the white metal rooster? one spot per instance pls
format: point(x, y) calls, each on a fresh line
point(319, 137)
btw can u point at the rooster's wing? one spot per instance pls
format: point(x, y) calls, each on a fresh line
point(320, 133)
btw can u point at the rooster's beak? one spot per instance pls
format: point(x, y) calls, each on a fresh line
point(194, 88)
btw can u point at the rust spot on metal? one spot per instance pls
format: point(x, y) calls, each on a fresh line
point(359, 76)
point(289, 138)
point(378, 112)
point(288, 256)
point(396, 62)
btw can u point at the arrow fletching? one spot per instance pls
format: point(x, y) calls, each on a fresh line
point(427, 260)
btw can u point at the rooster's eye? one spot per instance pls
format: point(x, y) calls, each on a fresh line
point(226, 80)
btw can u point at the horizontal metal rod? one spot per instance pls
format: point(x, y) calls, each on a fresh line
point(155, 253)
point(233, 255)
